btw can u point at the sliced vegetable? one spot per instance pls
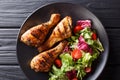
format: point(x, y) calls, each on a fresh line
point(74, 79)
point(77, 57)
point(88, 69)
point(77, 29)
point(81, 39)
point(84, 23)
point(71, 74)
point(76, 54)
point(94, 36)
point(58, 63)
point(66, 49)
point(82, 45)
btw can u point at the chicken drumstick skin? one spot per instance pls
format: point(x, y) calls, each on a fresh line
point(36, 35)
point(61, 32)
point(43, 61)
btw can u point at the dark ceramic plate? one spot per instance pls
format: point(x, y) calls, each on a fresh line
point(26, 53)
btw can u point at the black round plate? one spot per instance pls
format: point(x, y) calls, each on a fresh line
point(26, 53)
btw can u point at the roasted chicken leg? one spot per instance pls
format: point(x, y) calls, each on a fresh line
point(61, 32)
point(35, 36)
point(43, 61)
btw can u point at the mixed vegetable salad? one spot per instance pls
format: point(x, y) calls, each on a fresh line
point(77, 58)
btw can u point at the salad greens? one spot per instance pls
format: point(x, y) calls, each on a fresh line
point(90, 48)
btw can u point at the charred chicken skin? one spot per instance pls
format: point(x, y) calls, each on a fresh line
point(43, 61)
point(36, 35)
point(60, 32)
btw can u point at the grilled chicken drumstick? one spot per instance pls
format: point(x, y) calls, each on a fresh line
point(36, 35)
point(61, 32)
point(43, 61)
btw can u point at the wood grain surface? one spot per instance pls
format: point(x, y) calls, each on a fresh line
point(14, 12)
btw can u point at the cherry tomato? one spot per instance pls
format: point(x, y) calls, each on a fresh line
point(76, 54)
point(77, 29)
point(58, 63)
point(94, 36)
point(74, 79)
point(88, 69)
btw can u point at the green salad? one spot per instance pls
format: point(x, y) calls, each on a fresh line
point(77, 58)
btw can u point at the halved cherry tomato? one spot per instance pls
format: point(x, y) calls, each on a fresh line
point(76, 54)
point(88, 69)
point(58, 63)
point(77, 29)
point(74, 79)
point(94, 36)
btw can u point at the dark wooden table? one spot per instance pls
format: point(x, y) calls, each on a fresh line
point(14, 12)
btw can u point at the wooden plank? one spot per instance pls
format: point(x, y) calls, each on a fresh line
point(10, 72)
point(110, 73)
point(8, 33)
point(8, 46)
point(104, 4)
point(8, 39)
point(114, 40)
point(8, 57)
point(13, 12)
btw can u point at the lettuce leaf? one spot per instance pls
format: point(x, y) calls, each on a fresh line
point(67, 62)
point(87, 59)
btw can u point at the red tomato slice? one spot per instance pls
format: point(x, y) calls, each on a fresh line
point(76, 54)
point(77, 29)
point(94, 36)
point(58, 63)
point(88, 69)
point(74, 79)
